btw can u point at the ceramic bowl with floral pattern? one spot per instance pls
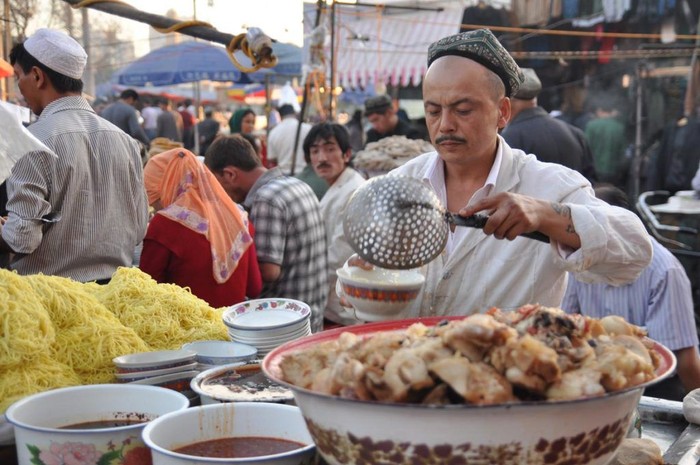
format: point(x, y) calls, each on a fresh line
point(87, 425)
point(379, 294)
point(584, 431)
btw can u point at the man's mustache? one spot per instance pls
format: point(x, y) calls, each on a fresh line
point(323, 165)
point(442, 139)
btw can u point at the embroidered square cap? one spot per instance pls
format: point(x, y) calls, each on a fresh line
point(481, 46)
point(57, 51)
point(531, 86)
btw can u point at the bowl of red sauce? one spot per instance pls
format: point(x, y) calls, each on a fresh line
point(93, 424)
point(240, 433)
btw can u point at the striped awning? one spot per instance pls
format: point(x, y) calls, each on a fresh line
point(374, 44)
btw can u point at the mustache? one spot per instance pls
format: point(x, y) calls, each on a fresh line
point(323, 165)
point(446, 138)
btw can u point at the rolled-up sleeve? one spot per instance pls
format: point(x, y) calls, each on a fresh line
point(28, 189)
point(615, 246)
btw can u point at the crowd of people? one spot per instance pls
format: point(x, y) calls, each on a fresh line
point(233, 216)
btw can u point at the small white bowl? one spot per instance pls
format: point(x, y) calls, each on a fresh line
point(236, 419)
point(40, 420)
point(221, 352)
point(146, 361)
point(379, 294)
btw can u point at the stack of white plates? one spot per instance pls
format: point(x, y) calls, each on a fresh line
point(267, 323)
point(172, 369)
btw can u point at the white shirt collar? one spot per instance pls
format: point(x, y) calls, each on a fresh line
point(435, 177)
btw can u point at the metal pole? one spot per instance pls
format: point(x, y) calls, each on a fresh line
point(89, 76)
point(305, 98)
point(637, 161)
point(10, 84)
point(197, 96)
point(332, 75)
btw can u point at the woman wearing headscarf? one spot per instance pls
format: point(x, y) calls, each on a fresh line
point(199, 238)
point(243, 122)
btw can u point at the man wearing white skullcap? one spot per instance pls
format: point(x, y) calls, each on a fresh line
point(80, 210)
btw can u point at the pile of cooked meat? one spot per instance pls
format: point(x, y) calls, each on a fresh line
point(533, 353)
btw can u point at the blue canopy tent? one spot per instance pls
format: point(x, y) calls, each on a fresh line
point(199, 61)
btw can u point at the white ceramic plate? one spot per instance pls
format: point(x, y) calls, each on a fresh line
point(142, 361)
point(221, 352)
point(271, 333)
point(135, 375)
point(272, 344)
point(264, 314)
point(245, 338)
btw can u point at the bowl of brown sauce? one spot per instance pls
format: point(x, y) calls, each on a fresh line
point(240, 433)
point(98, 423)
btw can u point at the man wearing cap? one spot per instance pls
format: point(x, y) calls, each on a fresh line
point(466, 93)
point(532, 130)
point(80, 210)
point(381, 114)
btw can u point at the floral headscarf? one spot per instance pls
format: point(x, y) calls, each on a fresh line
point(191, 196)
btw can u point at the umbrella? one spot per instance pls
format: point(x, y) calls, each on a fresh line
point(175, 64)
point(198, 61)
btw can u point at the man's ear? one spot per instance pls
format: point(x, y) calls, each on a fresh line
point(230, 173)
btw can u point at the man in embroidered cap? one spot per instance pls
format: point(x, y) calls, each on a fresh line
point(80, 210)
point(562, 143)
point(467, 92)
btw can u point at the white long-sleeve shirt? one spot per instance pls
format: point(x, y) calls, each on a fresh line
point(479, 271)
point(333, 211)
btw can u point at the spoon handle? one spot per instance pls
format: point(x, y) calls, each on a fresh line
point(478, 221)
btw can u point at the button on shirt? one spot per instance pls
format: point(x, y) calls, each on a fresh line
point(94, 178)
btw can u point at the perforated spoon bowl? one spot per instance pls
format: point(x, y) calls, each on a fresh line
point(397, 222)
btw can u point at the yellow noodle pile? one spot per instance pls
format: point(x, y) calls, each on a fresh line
point(25, 326)
point(41, 374)
point(164, 315)
point(56, 332)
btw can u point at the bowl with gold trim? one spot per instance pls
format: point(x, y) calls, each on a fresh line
point(348, 429)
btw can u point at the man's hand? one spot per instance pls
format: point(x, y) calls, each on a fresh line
point(513, 214)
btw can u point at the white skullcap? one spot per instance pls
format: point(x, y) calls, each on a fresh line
point(58, 51)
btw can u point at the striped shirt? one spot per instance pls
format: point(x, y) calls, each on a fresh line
point(94, 178)
point(660, 300)
point(289, 232)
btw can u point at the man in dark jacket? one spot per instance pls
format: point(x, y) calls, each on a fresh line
point(532, 130)
point(385, 121)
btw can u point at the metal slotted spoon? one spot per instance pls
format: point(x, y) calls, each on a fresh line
point(397, 222)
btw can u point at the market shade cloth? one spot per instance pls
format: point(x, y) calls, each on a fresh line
point(176, 64)
point(5, 69)
point(389, 47)
point(193, 61)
